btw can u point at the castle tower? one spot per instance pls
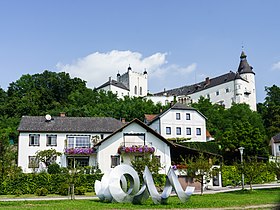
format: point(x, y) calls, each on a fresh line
point(136, 82)
point(245, 87)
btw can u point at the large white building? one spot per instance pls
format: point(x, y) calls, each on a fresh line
point(133, 84)
point(233, 87)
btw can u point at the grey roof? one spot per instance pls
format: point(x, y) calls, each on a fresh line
point(113, 82)
point(176, 106)
point(244, 67)
point(69, 124)
point(190, 89)
point(276, 138)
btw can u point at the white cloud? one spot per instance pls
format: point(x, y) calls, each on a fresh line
point(276, 66)
point(97, 67)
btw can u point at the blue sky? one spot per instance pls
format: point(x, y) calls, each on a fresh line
point(178, 42)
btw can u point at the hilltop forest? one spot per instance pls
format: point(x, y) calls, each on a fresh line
point(52, 93)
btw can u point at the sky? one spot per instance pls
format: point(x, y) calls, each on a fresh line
point(178, 42)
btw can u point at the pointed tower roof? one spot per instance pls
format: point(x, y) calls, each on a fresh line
point(244, 67)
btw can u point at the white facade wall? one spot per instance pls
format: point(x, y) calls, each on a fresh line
point(222, 94)
point(24, 150)
point(169, 120)
point(111, 145)
point(137, 83)
point(116, 90)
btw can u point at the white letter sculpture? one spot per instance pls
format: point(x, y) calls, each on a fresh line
point(113, 186)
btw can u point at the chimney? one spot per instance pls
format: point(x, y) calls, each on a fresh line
point(123, 120)
point(110, 80)
point(62, 114)
point(207, 81)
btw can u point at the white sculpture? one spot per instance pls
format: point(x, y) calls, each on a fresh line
point(113, 186)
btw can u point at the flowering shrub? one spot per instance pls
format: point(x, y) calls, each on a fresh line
point(79, 151)
point(136, 149)
point(179, 166)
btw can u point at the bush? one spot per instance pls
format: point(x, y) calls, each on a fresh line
point(80, 190)
point(41, 191)
point(54, 168)
point(64, 189)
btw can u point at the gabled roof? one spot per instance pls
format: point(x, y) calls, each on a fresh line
point(276, 138)
point(114, 83)
point(150, 130)
point(69, 124)
point(176, 106)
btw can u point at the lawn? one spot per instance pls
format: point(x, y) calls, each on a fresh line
point(229, 199)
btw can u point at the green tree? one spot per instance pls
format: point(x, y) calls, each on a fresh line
point(200, 168)
point(270, 110)
point(47, 156)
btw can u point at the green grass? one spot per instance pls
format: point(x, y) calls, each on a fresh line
point(230, 199)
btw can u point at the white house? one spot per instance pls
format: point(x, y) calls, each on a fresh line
point(233, 87)
point(74, 137)
point(128, 84)
point(130, 142)
point(180, 121)
point(275, 146)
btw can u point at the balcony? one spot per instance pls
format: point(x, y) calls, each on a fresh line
point(79, 151)
point(126, 148)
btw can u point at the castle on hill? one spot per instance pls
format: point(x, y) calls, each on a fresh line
point(232, 87)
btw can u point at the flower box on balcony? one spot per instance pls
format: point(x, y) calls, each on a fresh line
point(79, 151)
point(136, 149)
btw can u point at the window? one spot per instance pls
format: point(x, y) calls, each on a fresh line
point(78, 141)
point(168, 130)
point(227, 90)
point(279, 148)
point(178, 116)
point(51, 140)
point(33, 162)
point(208, 96)
point(217, 93)
point(189, 131)
point(34, 140)
point(140, 91)
point(135, 90)
point(101, 136)
point(74, 162)
point(198, 131)
point(188, 116)
point(115, 161)
point(178, 130)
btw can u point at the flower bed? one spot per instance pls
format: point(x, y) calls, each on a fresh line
point(79, 151)
point(136, 149)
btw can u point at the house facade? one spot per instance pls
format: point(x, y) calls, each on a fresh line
point(233, 87)
point(275, 147)
point(131, 142)
point(131, 83)
point(74, 137)
point(180, 121)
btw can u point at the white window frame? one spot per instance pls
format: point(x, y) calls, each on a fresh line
point(168, 129)
point(188, 131)
point(51, 140)
point(115, 160)
point(34, 139)
point(178, 131)
point(198, 131)
point(178, 116)
point(188, 116)
point(79, 141)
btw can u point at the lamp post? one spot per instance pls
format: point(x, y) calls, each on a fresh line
point(241, 149)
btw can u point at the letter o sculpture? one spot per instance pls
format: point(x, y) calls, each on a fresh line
point(117, 177)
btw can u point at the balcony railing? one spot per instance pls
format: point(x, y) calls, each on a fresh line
point(79, 151)
point(136, 149)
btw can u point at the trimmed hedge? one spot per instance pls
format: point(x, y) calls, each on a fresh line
point(29, 183)
point(232, 177)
